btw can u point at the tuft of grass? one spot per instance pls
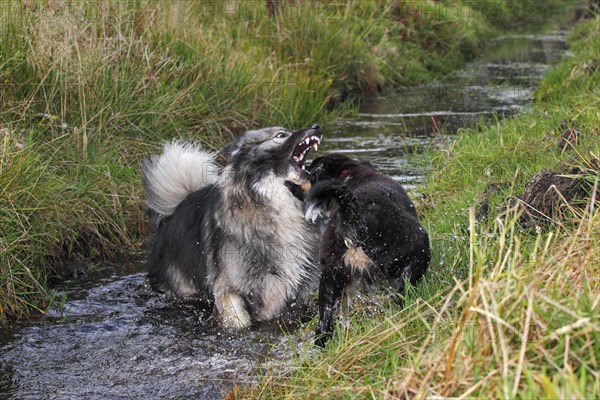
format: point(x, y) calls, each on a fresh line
point(505, 311)
point(56, 210)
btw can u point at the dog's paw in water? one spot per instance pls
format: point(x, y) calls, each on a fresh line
point(233, 314)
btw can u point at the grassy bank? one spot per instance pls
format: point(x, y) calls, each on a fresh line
point(505, 311)
point(88, 88)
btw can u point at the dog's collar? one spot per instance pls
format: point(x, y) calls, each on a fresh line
point(344, 174)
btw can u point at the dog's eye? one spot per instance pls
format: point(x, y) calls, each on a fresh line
point(281, 135)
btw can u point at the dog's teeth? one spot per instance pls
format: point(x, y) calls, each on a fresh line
point(315, 146)
point(296, 159)
point(307, 140)
point(304, 168)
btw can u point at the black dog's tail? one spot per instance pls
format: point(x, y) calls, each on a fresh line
point(320, 197)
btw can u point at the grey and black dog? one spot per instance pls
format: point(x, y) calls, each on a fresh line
point(371, 232)
point(236, 236)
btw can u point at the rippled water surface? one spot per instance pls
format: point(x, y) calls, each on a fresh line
point(392, 130)
point(114, 338)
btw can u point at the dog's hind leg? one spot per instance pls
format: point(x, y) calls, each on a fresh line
point(413, 272)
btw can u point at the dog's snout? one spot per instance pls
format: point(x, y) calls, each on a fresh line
point(316, 126)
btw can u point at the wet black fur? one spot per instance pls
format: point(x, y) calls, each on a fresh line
point(373, 211)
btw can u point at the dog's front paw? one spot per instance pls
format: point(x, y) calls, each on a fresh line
point(322, 337)
point(313, 212)
point(324, 332)
point(233, 314)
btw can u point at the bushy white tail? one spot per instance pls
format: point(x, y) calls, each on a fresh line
point(181, 169)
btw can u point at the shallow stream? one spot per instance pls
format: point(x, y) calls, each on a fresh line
point(113, 338)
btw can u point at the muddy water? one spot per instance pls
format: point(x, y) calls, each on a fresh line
point(114, 338)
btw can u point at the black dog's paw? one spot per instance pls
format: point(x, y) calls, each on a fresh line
point(324, 329)
point(318, 200)
point(322, 338)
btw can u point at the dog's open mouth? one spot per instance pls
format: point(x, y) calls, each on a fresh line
point(309, 139)
point(304, 147)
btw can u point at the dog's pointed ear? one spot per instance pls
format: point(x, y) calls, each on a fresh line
point(230, 150)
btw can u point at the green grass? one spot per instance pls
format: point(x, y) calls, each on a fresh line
point(504, 312)
point(87, 89)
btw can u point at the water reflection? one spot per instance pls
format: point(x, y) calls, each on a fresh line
point(393, 130)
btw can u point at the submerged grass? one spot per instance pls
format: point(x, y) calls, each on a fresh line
point(504, 312)
point(88, 88)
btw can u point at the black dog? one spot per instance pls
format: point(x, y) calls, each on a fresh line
point(372, 232)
